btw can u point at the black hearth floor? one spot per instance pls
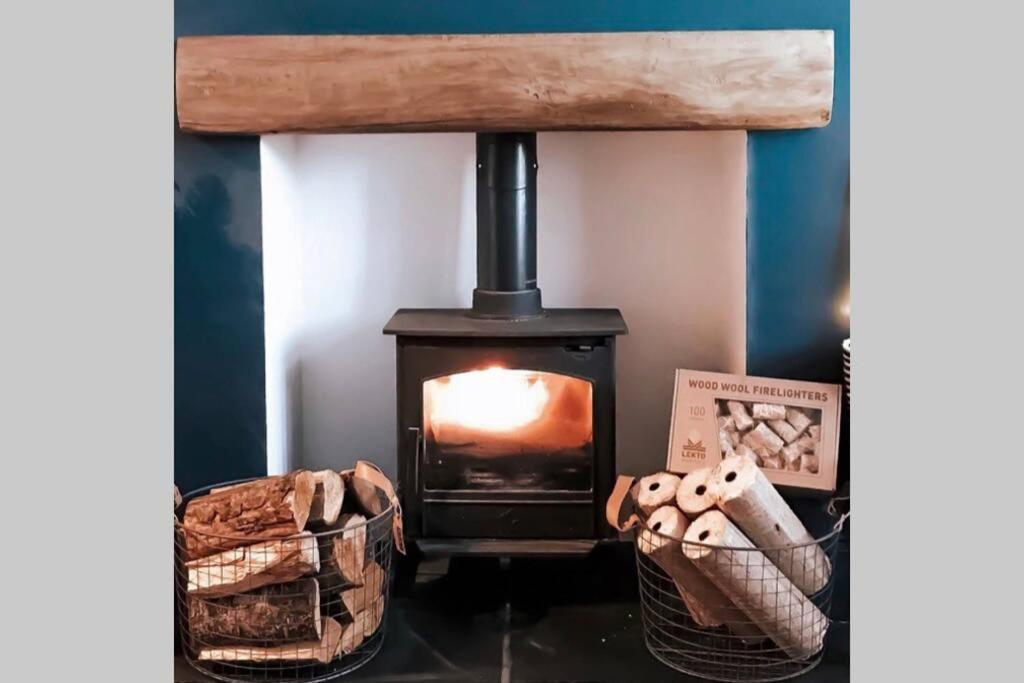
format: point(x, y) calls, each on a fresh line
point(530, 621)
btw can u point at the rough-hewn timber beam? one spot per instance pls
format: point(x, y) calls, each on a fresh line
point(578, 81)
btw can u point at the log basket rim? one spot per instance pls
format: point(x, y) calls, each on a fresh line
point(830, 509)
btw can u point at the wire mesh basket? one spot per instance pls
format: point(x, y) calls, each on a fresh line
point(306, 607)
point(761, 627)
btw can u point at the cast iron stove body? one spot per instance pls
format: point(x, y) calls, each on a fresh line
point(506, 411)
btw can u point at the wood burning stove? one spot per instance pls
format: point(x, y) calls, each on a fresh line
point(506, 411)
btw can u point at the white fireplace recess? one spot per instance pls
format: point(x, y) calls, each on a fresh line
point(356, 226)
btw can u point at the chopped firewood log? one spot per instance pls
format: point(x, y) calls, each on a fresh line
point(348, 550)
point(750, 500)
point(375, 614)
point(371, 587)
point(745, 450)
point(695, 494)
point(243, 514)
point(656, 490)
point(784, 430)
point(751, 581)
point(353, 634)
point(761, 437)
point(708, 606)
point(328, 497)
point(323, 650)
point(267, 616)
point(809, 463)
point(769, 411)
point(739, 414)
point(368, 499)
point(798, 419)
point(243, 569)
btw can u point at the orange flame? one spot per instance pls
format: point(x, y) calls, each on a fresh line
point(501, 409)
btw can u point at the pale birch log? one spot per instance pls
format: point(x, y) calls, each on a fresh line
point(328, 497)
point(656, 490)
point(243, 569)
point(762, 438)
point(739, 415)
point(750, 500)
point(798, 419)
point(748, 578)
point(243, 514)
point(666, 525)
point(769, 411)
point(323, 650)
point(695, 493)
point(785, 430)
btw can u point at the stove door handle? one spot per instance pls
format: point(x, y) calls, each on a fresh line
point(420, 451)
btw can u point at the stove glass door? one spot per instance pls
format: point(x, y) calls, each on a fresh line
point(498, 429)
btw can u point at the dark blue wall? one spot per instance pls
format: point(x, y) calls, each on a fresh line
point(797, 225)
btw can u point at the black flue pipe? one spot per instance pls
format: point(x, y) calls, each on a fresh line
point(506, 226)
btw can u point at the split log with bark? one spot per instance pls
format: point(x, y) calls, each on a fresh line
point(243, 569)
point(323, 650)
point(328, 497)
point(363, 596)
point(243, 514)
point(268, 616)
point(368, 499)
point(348, 551)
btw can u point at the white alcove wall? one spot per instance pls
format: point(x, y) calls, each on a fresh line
point(356, 226)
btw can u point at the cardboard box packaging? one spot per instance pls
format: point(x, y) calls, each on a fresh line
point(790, 428)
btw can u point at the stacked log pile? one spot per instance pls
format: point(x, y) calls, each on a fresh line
point(738, 555)
point(276, 569)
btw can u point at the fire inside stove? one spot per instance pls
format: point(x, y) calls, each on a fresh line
point(500, 428)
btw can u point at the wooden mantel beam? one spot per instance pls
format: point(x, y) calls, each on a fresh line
point(554, 81)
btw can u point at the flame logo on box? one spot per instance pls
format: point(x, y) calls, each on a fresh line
point(694, 447)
